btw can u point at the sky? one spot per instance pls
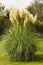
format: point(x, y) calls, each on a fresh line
point(16, 3)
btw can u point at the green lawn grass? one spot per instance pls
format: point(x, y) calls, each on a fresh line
point(40, 45)
point(5, 62)
point(20, 63)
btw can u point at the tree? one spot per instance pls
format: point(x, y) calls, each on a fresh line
point(1, 9)
point(4, 19)
point(7, 13)
point(41, 1)
point(36, 7)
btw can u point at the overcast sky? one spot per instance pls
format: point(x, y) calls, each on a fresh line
point(16, 3)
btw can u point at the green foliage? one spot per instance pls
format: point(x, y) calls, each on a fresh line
point(20, 46)
point(4, 24)
point(39, 26)
point(4, 19)
point(7, 13)
point(36, 7)
point(1, 7)
point(40, 18)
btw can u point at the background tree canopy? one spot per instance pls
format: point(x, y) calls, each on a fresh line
point(37, 8)
point(4, 19)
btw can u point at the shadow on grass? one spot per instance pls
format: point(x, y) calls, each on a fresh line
point(38, 57)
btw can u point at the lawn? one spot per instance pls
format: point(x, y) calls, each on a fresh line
point(20, 63)
point(39, 52)
point(40, 46)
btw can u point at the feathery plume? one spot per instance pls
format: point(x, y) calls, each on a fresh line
point(24, 15)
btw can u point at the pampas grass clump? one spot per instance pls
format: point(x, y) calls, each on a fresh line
point(20, 46)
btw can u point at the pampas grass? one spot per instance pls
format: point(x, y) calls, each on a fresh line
point(24, 15)
point(20, 45)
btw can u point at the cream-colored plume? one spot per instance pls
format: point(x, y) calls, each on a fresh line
point(23, 14)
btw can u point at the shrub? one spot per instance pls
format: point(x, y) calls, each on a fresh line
point(4, 24)
point(20, 45)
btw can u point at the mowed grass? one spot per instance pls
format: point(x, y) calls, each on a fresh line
point(20, 63)
point(40, 45)
point(5, 62)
